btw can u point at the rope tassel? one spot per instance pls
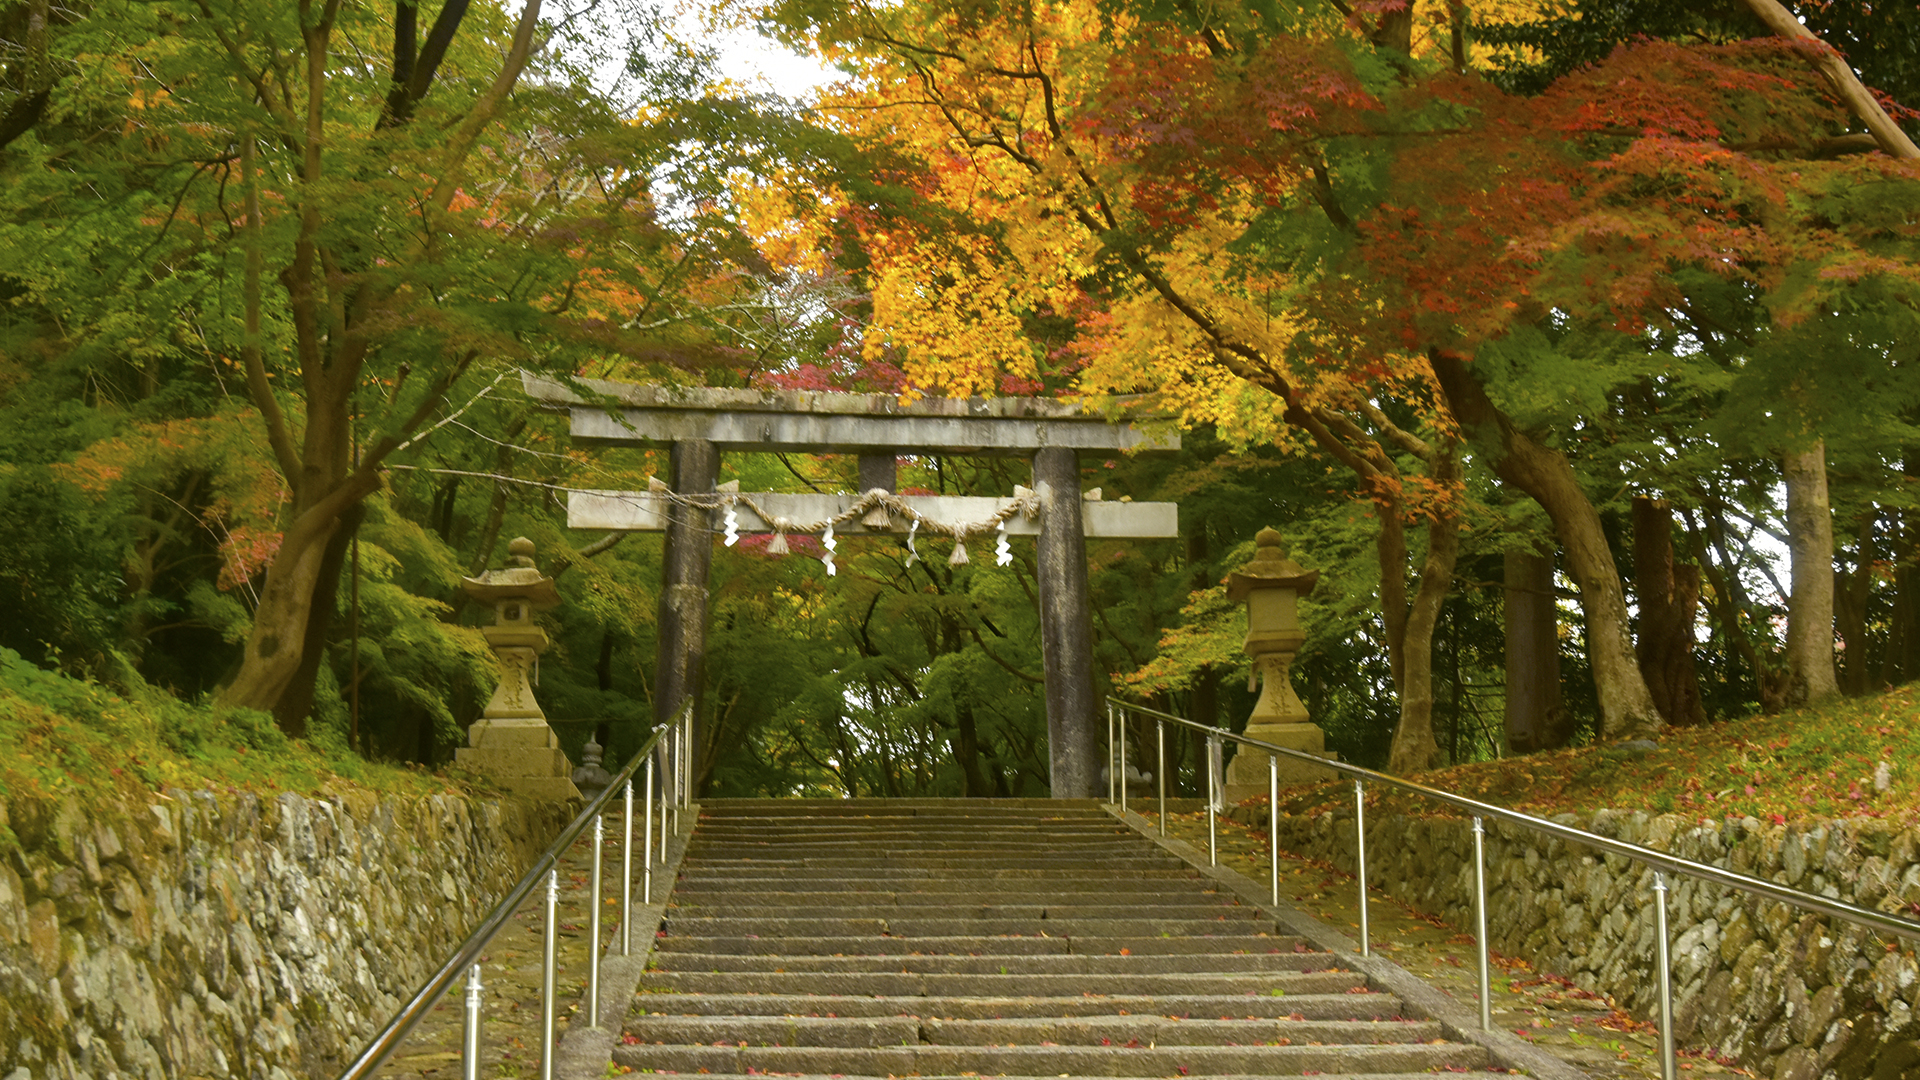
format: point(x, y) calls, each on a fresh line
point(778, 545)
point(959, 556)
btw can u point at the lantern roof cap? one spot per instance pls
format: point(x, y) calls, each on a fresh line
point(1270, 569)
point(520, 580)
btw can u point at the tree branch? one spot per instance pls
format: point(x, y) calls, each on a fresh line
point(460, 143)
point(278, 435)
point(1828, 62)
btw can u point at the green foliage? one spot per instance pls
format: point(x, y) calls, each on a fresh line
point(62, 736)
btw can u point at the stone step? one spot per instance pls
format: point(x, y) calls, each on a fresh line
point(1204, 963)
point(949, 861)
point(909, 984)
point(975, 1076)
point(940, 898)
point(1340, 1006)
point(819, 829)
point(991, 829)
point(915, 926)
point(964, 945)
point(1202, 910)
point(931, 938)
point(1038, 848)
point(1130, 1032)
point(1056, 1060)
point(700, 881)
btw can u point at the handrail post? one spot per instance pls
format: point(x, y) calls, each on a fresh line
point(593, 924)
point(686, 759)
point(1160, 768)
point(1360, 857)
point(626, 875)
point(549, 955)
point(646, 846)
point(1213, 844)
point(1273, 823)
point(1480, 921)
point(667, 785)
point(1665, 974)
point(470, 1038)
point(1110, 777)
point(1122, 778)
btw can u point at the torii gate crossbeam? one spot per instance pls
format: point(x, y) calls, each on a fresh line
point(699, 423)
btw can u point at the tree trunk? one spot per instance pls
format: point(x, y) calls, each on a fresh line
point(1810, 608)
point(1850, 611)
point(1534, 718)
point(275, 647)
point(1902, 661)
point(1669, 597)
point(1626, 706)
point(1414, 749)
point(966, 749)
point(296, 701)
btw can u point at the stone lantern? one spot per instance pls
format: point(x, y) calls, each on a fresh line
point(511, 743)
point(1271, 585)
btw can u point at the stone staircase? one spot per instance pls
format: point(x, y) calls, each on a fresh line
point(1023, 938)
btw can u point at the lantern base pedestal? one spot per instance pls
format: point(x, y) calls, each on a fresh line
point(1247, 772)
point(521, 755)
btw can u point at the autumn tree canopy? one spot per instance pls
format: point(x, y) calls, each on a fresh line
point(1453, 294)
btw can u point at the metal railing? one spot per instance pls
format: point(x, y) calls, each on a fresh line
point(1660, 862)
point(669, 744)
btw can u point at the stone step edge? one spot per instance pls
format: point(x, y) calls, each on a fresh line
point(950, 1007)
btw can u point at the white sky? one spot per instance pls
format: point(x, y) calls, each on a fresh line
point(748, 58)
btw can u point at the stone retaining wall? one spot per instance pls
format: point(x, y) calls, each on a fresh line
point(236, 935)
point(1782, 992)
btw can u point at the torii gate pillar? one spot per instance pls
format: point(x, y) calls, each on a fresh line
point(682, 638)
point(1066, 628)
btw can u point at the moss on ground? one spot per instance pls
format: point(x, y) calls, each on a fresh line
point(62, 737)
point(1853, 757)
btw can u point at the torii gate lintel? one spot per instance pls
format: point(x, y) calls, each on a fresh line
point(701, 423)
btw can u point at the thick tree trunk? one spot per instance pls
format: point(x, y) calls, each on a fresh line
point(1534, 718)
point(1669, 597)
point(1810, 608)
point(1626, 706)
point(296, 701)
point(275, 648)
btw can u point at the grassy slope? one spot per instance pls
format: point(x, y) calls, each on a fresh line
point(61, 736)
point(1799, 765)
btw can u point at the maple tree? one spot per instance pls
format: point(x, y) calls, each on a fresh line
point(1334, 207)
point(364, 247)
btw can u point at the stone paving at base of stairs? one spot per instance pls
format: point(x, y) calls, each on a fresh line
point(1584, 1029)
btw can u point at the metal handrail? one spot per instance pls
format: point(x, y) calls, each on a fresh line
point(468, 952)
point(1661, 862)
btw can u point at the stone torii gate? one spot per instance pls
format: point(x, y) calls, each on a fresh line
point(701, 423)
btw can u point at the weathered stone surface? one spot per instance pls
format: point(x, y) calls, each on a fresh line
point(236, 935)
point(1785, 993)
